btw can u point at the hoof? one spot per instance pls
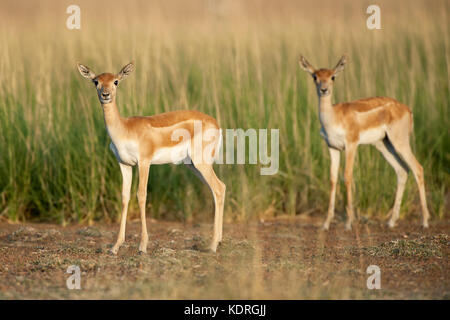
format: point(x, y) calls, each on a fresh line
point(213, 248)
point(425, 224)
point(325, 226)
point(391, 224)
point(113, 251)
point(348, 226)
point(142, 248)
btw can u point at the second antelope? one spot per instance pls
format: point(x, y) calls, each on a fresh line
point(143, 141)
point(383, 122)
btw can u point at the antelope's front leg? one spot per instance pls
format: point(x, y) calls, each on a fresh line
point(144, 168)
point(334, 169)
point(127, 175)
point(350, 152)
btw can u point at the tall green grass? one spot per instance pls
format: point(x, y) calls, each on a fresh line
point(237, 62)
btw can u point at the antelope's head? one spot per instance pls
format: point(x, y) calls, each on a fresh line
point(106, 83)
point(323, 78)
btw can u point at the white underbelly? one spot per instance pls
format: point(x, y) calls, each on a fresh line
point(372, 135)
point(126, 152)
point(175, 154)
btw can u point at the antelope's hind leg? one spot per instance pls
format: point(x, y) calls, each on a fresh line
point(207, 174)
point(403, 148)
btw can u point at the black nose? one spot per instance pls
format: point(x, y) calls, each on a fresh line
point(323, 90)
point(105, 94)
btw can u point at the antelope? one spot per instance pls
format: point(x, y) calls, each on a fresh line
point(144, 141)
point(383, 122)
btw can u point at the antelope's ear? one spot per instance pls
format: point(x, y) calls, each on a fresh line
point(126, 71)
point(85, 71)
point(305, 65)
point(340, 65)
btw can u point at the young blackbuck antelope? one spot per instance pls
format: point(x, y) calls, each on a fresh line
point(143, 141)
point(383, 122)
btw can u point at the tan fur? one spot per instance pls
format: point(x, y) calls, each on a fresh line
point(139, 140)
point(384, 122)
point(360, 115)
point(155, 132)
point(170, 118)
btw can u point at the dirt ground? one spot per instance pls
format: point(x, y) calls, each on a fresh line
point(285, 258)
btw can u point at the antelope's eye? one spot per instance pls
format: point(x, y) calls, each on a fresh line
point(332, 78)
point(95, 82)
point(315, 77)
point(116, 82)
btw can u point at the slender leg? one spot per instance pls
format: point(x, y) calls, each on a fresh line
point(144, 168)
point(218, 190)
point(404, 149)
point(401, 169)
point(334, 169)
point(200, 176)
point(350, 152)
point(127, 175)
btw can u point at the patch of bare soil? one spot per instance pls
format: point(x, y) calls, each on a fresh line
point(276, 259)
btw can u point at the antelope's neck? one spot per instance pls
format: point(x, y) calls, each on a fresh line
point(326, 112)
point(113, 120)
